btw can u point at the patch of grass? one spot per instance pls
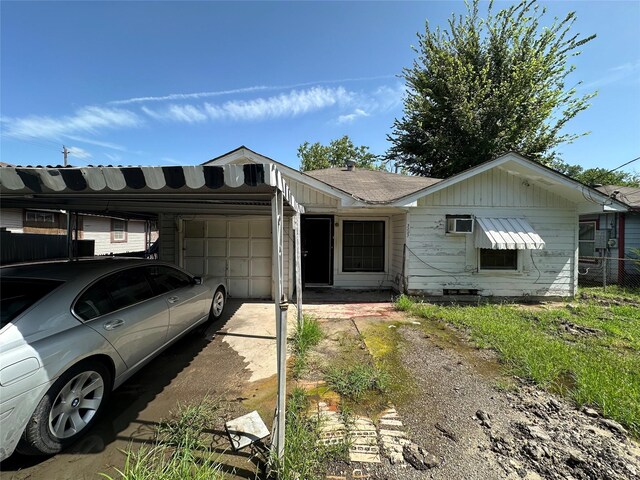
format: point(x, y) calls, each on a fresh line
point(385, 345)
point(356, 380)
point(181, 450)
point(612, 292)
point(601, 368)
point(403, 303)
point(304, 457)
point(304, 338)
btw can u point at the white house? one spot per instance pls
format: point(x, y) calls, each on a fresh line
point(111, 235)
point(506, 228)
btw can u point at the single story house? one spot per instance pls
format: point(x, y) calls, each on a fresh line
point(506, 228)
point(110, 235)
point(610, 241)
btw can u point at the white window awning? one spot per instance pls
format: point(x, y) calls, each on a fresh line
point(506, 234)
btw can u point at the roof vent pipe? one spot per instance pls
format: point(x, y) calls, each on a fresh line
point(351, 165)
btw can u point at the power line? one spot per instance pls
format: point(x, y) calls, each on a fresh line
point(624, 164)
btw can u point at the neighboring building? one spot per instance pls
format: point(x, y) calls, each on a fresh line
point(110, 235)
point(609, 242)
point(506, 228)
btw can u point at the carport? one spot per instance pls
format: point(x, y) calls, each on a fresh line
point(135, 192)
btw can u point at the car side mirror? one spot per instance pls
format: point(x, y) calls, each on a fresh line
point(197, 280)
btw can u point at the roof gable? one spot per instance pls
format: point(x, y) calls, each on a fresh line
point(586, 198)
point(243, 154)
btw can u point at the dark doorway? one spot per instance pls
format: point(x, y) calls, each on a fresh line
point(317, 250)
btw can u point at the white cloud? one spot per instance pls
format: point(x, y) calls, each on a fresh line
point(218, 93)
point(79, 152)
point(114, 157)
point(349, 118)
point(294, 103)
point(614, 75)
point(87, 119)
point(177, 113)
point(97, 143)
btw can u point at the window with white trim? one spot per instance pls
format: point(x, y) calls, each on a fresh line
point(587, 239)
point(118, 230)
point(363, 246)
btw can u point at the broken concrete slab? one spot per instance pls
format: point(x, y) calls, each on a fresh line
point(245, 430)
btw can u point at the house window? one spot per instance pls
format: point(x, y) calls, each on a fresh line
point(362, 246)
point(587, 239)
point(118, 231)
point(39, 217)
point(498, 259)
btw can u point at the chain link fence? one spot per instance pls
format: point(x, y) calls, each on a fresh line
point(604, 271)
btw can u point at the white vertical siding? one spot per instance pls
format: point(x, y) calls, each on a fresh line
point(398, 235)
point(437, 260)
point(11, 219)
point(631, 233)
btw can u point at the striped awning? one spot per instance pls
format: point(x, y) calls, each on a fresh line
point(506, 234)
point(54, 181)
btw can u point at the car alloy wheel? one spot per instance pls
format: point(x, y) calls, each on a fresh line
point(217, 306)
point(68, 409)
point(76, 404)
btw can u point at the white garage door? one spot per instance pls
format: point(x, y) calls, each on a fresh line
point(238, 249)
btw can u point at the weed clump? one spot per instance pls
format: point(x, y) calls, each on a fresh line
point(181, 450)
point(356, 380)
point(304, 457)
point(306, 336)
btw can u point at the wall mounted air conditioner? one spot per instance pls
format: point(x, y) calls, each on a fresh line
point(459, 225)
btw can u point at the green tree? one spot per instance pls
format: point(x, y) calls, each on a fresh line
point(594, 176)
point(316, 156)
point(482, 87)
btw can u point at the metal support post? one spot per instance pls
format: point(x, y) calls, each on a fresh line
point(298, 263)
point(69, 235)
point(281, 321)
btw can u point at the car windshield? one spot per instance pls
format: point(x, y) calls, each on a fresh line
point(18, 294)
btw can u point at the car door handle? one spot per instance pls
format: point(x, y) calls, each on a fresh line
point(113, 324)
point(173, 299)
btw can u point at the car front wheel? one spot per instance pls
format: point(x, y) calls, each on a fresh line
point(217, 306)
point(68, 409)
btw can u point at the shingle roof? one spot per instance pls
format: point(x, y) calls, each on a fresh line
point(372, 186)
point(627, 195)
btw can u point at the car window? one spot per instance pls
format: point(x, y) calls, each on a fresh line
point(165, 279)
point(129, 287)
point(95, 301)
point(114, 292)
point(18, 294)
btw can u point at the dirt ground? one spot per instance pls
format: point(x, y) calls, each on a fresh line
point(476, 422)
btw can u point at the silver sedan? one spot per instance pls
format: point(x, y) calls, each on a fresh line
point(71, 332)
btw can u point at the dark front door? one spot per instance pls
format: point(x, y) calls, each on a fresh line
point(317, 250)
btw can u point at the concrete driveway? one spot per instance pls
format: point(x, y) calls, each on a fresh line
point(232, 361)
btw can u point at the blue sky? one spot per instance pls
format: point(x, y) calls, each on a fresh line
point(161, 83)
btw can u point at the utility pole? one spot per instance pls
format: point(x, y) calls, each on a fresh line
point(65, 152)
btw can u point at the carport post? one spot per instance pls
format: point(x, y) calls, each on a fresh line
point(69, 235)
point(281, 320)
point(298, 270)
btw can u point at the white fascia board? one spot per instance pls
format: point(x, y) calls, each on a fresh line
point(345, 199)
point(594, 194)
